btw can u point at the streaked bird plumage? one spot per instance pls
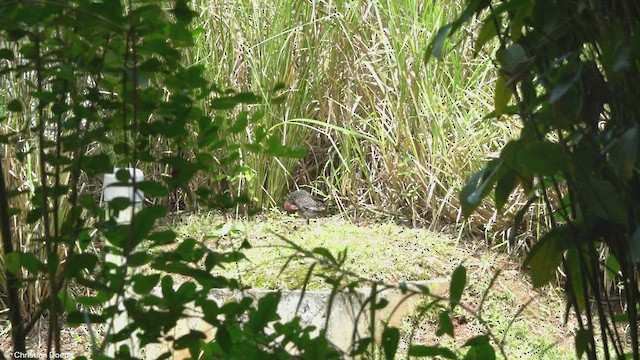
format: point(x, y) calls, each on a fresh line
point(306, 204)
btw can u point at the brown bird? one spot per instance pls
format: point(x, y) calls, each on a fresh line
point(306, 204)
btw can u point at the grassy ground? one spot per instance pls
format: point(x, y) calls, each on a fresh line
point(528, 322)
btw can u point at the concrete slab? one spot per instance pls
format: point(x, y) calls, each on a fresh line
point(347, 318)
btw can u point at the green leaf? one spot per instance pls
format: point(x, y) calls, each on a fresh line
point(266, 311)
point(15, 105)
point(325, 253)
point(139, 258)
point(513, 59)
point(477, 188)
point(188, 340)
point(458, 283)
point(67, 301)
point(182, 12)
point(145, 220)
point(224, 103)
point(247, 98)
point(100, 298)
point(424, 351)
point(436, 45)
point(84, 317)
point(546, 256)
point(504, 187)
point(624, 152)
point(543, 158)
point(390, 341)
point(583, 340)
point(487, 32)
point(575, 287)
point(7, 54)
point(502, 96)
point(12, 262)
point(223, 338)
point(162, 237)
point(242, 120)
point(360, 346)
point(119, 203)
point(612, 266)
point(481, 349)
point(569, 74)
point(82, 261)
point(153, 188)
point(602, 200)
point(31, 263)
point(445, 325)
point(143, 284)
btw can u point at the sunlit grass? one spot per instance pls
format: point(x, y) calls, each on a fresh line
point(401, 136)
point(393, 254)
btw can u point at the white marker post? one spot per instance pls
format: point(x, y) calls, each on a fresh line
point(112, 188)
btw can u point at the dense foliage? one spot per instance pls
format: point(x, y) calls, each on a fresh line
point(97, 85)
point(93, 85)
point(388, 136)
point(570, 71)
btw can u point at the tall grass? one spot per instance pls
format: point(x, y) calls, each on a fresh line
point(386, 133)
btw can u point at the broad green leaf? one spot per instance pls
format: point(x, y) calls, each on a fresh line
point(431, 351)
point(6, 54)
point(436, 45)
point(583, 341)
point(145, 220)
point(165, 237)
point(504, 187)
point(543, 158)
point(139, 258)
point(546, 256)
point(381, 304)
point(478, 187)
point(152, 188)
point(12, 262)
point(224, 103)
point(82, 261)
point(242, 120)
point(360, 346)
point(67, 301)
point(523, 11)
point(31, 263)
point(480, 349)
point(188, 340)
point(569, 75)
point(266, 311)
point(612, 266)
point(15, 105)
point(186, 292)
point(575, 274)
point(97, 164)
point(487, 32)
point(502, 96)
point(119, 203)
point(182, 12)
point(83, 317)
point(99, 299)
point(602, 200)
point(325, 253)
point(445, 325)
point(247, 98)
point(512, 59)
point(624, 152)
point(224, 339)
point(456, 288)
point(390, 341)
